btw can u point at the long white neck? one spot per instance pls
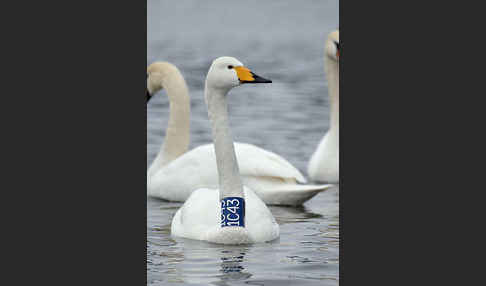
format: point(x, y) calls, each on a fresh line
point(332, 72)
point(177, 135)
point(230, 184)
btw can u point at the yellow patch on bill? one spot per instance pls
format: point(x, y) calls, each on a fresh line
point(244, 74)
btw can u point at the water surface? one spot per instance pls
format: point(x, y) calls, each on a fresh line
point(280, 40)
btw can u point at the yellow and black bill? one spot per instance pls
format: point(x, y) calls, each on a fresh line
point(338, 52)
point(149, 96)
point(245, 75)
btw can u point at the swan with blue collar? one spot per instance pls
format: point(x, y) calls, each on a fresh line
point(232, 214)
point(170, 175)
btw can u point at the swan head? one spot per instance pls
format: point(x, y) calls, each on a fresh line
point(226, 73)
point(332, 46)
point(158, 76)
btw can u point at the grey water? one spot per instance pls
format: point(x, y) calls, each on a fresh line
point(279, 40)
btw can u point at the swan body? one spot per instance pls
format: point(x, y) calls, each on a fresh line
point(272, 177)
point(202, 212)
point(176, 172)
point(205, 214)
point(324, 163)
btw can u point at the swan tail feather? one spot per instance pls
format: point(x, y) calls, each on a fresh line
point(291, 194)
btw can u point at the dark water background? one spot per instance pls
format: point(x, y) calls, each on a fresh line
point(280, 40)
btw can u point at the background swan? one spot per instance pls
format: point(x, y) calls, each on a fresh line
point(175, 173)
point(233, 214)
point(324, 163)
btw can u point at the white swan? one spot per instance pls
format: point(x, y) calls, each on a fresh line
point(324, 163)
point(175, 173)
point(233, 214)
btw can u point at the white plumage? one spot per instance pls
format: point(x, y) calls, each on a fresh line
point(324, 163)
point(202, 213)
point(202, 217)
point(176, 172)
point(271, 176)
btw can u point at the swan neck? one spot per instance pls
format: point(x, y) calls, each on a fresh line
point(177, 135)
point(230, 184)
point(332, 72)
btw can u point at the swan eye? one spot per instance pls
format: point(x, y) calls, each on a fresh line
point(230, 67)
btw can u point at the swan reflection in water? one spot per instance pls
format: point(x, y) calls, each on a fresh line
point(232, 265)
